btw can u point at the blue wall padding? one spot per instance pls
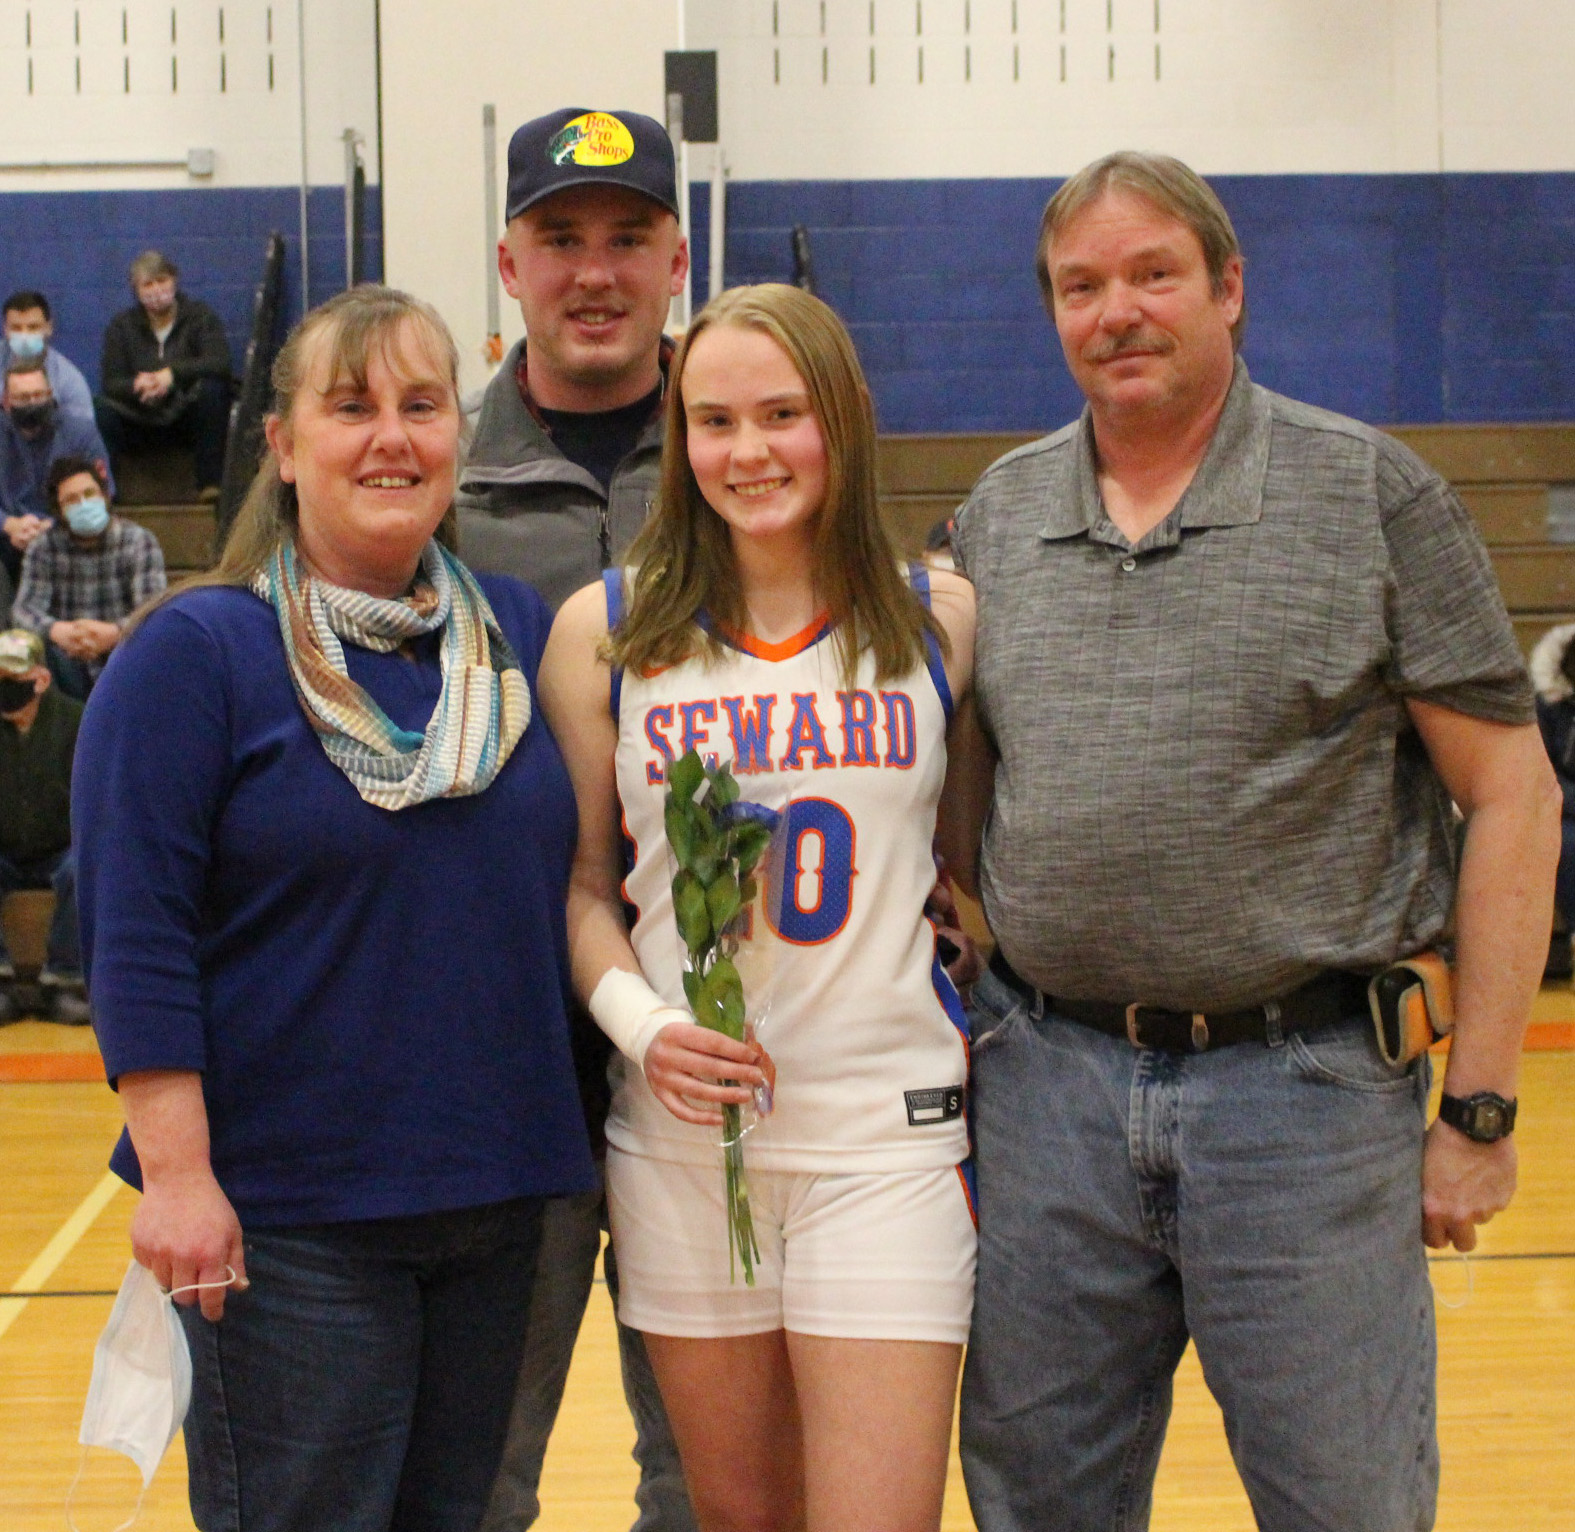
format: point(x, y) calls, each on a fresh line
point(1398, 299)
point(1393, 298)
point(76, 247)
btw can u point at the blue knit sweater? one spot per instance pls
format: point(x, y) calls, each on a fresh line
point(375, 1000)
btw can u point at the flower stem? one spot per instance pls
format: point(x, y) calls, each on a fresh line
point(742, 1248)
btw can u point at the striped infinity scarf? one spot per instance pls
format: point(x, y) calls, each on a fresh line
point(481, 713)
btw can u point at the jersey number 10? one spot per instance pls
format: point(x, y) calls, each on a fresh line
point(816, 893)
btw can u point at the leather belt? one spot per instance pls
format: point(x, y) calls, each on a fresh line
point(1331, 996)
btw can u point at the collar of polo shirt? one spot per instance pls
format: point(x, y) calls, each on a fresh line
point(1227, 490)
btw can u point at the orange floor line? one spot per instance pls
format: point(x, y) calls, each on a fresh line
point(1547, 1035)
point(49, 1068)
point(1541, 1037)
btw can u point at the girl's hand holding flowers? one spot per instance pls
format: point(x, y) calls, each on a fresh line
point(689, 1066)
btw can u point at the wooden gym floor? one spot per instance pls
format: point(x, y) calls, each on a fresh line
point(1507, 1369)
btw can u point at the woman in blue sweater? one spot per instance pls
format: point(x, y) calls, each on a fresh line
point(324, 840)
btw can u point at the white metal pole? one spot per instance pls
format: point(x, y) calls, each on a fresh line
point(489, 162)
point(306, 258)
point(718, 219)
point(352, 163)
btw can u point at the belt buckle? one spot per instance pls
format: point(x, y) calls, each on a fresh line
point(1200, 1028)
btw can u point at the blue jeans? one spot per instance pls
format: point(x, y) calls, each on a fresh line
point(571, 1235)
point(1263, 1200)
point(63, 954)
point(363, 1381)
point(1564, 887)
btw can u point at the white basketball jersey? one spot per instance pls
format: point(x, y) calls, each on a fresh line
point(865, 1027)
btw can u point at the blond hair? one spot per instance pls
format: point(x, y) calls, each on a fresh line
point(151, 266)
point(684, 553)
point(355, 324)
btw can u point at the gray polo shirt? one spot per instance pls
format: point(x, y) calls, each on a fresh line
point(1209, 789)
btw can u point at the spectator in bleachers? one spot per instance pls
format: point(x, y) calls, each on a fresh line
point(29, 331)
point(84, 575)
point(166, 373)
point(34, 433)
point(38, 738)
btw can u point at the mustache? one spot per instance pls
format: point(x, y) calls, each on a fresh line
point(1134, 343)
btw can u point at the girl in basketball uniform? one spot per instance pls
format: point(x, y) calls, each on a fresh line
point(766, 622)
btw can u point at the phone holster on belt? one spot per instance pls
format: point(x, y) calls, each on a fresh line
point(1413, 1005)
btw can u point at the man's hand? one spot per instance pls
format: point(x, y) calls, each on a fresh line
point(941, 907)
point(150, 387)
point(68, 637)
point(84, 639)
point(1464, 1183)
point(21, 530)
point(97, 637)
point(185, 1232)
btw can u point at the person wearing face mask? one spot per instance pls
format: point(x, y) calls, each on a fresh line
point(166, 372)
point(84, 575)
point(28, 331)
point(38, 740)
point(34, 434)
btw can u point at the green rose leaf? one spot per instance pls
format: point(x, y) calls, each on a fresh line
point(689, 910)
point(724, 789)
point(722, 899)
point(748, 842)
point(733, 1012)
point(722, 999)
point(680, 831)
point(692, 983)
point(685, 775)
point(707, 1007)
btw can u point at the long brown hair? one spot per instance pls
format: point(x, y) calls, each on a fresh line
point(684, 553)
point(356, 324)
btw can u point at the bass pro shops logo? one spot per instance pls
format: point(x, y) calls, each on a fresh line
point(596, 138)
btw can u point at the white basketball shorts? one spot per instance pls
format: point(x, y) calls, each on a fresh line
point(881, 1256)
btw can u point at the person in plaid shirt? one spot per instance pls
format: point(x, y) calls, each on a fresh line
point(84, 575)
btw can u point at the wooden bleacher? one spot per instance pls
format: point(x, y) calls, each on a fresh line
point(1504, 473)
point(158, 491)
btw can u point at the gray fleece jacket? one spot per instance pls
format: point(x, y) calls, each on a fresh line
point(525, 510)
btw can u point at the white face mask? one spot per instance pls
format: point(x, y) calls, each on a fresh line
point(141, 1383)
point(141, 1375)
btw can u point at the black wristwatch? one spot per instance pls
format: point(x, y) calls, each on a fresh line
point(1485, 1117)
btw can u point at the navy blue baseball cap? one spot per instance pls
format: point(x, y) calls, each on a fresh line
point(575, 146)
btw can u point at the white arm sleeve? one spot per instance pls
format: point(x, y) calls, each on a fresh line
point(631, 1013)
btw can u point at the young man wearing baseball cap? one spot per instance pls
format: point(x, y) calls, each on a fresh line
point(562, 472)
point(564, 463)
point(38, 739)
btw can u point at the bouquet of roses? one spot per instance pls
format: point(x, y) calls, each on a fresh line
point(717, 843)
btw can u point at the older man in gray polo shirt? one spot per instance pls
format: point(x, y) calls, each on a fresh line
point(1236, 657)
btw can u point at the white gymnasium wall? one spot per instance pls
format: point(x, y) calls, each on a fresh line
point(127, 80)
point(901, 88)
point(525, 57)
point(1508, 73)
